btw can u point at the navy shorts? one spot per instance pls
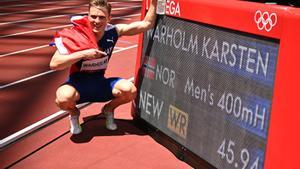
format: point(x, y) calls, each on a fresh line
point(92, 87)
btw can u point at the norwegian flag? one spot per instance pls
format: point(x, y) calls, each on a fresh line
point(149, 68)
point(78, 37)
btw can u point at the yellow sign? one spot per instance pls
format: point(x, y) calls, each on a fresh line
point(178, 121)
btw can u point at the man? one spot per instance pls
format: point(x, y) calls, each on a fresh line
point(86, 82)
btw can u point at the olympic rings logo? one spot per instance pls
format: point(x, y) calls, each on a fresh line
point(265, 20)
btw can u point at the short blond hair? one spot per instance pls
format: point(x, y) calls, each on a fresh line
point(99, 4)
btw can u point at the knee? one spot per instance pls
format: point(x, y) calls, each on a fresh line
point(66, 99)
point(129, 92)
point(65, 104)
point(133, 92)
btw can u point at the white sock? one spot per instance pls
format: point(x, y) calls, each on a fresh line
point(110, 123)
point(75, 127)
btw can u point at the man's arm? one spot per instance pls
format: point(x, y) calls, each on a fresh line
point(139, 26)
point(60, 62)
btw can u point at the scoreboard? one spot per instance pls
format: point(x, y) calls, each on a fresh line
point(210, 79)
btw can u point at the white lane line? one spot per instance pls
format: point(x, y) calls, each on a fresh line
point(33, 4)
point(9, 0)
point(25, 50)
point(44, 122)
point(48, 120)
point(37, 30)
point(125, 48)
point(43, 46)
point(43, 3)
point(118, 48)
point(51, 71)
point(62, 26)
point(26, 79)
point(37, 19)
point(58, 16)
point(132, 1)
point(42, 10)
point(17, 5)
point(125, 42)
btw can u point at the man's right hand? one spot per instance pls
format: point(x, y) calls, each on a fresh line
point(92, 54)
point(60, 62)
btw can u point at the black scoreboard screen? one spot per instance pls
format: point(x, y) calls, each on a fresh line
point(210, 89)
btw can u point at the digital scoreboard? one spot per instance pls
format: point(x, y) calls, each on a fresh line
point(210, 87)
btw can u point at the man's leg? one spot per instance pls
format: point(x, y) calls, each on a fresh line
point(66, 97)
point(124, 91)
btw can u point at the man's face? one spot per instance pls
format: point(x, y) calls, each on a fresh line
point(98, 18)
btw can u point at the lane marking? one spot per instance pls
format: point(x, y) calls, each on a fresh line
point(36, 19)
point(48, 120)
point(126, 42)
point(25, 50)
point(62, 26)
point(58, 16)
point(46, 3)
point(51, 71)
point(29, 129)
point(9, 0)
point(118, 48)
point(26, 79)
point(42, 10)
point(33, 31)
point(33, 4)
point(18, 5)
point(43, 46)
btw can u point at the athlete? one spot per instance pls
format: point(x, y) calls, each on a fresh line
point(88, 62)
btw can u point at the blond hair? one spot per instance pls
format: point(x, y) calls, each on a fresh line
point(99, 4)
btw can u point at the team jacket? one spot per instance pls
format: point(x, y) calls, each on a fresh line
point(80, 37)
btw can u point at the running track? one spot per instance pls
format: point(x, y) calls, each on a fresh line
point(27, 91)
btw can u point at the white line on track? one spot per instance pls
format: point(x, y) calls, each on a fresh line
point(9, 0)
point(33, 4)
point(48, 120)
point(43, 46)
point(17, 5)
point(45, 3)
point(51, 71)
point(57, 27)
point(58, 16)
point(26, 79)
point(118, 47)
point(130, 1)
point(27, 130)
point(42, 10)
point(37, 19)
point(25, 50)
point(37, 30)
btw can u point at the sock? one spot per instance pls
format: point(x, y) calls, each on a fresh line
point(74, 123)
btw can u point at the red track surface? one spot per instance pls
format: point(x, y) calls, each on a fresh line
point(14, 67)
point(24, 103)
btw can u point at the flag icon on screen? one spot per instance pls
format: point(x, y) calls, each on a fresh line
point(149, 67)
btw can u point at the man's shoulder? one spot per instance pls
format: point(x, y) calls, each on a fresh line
point(110, 27)
point(111, 30)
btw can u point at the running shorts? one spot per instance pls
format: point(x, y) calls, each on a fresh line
point(92, 87)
